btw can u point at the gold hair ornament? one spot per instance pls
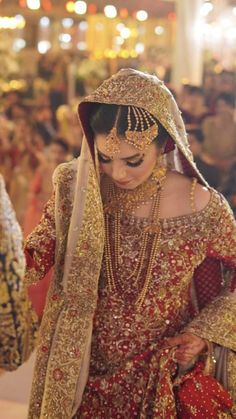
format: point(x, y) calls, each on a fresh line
point(112, 145)
point(140, 139)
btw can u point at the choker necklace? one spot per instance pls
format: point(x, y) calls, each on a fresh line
point(117, 201)
point(129, 200)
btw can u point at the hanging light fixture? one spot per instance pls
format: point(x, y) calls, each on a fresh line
point(80, 7)
point(33, 4)
point(110, 11)
point(70, 6)
point(141, 15)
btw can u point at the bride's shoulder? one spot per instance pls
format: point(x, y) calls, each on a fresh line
point(186, 192)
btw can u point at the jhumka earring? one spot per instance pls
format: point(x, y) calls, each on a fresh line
point(144, 130)
point(159, 171)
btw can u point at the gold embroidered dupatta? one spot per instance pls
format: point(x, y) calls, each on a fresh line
point(63, 350)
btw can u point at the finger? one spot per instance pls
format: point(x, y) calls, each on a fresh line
point(174, 341)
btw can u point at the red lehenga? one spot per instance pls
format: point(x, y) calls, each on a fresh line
point(130, 372)
point(131, 376)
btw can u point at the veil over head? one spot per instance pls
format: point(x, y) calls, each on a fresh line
point(130, 87)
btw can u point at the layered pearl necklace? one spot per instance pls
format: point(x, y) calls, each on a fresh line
point(118, 201)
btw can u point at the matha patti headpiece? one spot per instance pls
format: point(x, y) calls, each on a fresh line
point(144, 131)
point(141, 135)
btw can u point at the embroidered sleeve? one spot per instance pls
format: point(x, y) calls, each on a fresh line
point(40, 245)
point(222, 243)
point(217, 321)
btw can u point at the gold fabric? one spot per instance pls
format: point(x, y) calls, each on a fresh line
point(18, 323)
point(70, 306)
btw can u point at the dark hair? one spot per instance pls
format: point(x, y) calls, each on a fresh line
point(62, 143)
point(228, 98)
point(197, 133)
point(196, 90)
point(103, 117)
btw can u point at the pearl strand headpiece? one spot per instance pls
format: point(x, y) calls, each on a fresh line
point(140, 135)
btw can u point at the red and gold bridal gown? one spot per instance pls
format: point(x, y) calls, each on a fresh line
point(130, 375)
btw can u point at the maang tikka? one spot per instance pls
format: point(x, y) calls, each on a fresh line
point(140, 136)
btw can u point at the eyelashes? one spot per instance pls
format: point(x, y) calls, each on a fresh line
point(128, 163)
point(136, 163)
point(103, 160)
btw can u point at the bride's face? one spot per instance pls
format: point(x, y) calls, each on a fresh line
point(130, 167)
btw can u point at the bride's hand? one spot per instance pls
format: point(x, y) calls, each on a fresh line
point(188, 347)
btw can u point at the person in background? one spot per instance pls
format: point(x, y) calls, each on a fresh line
point(43, 123)
point(41, 184)
point(194, 110)
point(25, 155)
point(40, 191)
point(69, 127)
point(11, 99)
point(18, 323)
point(229, 188)
point(220, 133)
point(202, 160)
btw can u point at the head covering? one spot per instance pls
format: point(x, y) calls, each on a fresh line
point(130, 87)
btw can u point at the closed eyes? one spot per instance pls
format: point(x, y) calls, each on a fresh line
point(106, 160)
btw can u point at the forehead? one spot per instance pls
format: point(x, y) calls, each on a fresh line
point(125, 149)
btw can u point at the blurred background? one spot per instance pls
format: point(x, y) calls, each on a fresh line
point(54, 52)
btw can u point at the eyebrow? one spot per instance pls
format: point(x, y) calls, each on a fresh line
point(124, 158)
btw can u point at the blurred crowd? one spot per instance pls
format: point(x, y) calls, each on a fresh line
point(38, 134)
point(33, 141)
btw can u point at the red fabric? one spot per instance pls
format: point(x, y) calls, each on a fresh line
point(38, 293)
point(201, 396)
point(207, 279)
point(170, 146)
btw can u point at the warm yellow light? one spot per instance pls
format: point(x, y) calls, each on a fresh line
point(134, 33)
point(124, 53)
point(33, 4)
point(70, 6)
point(98, 55)
point(44, 46)
point(80, 7)
point(133, 54)
point(119, 40)
point(159, 30)
point(110, 11)
point(82, 46)
point(125, 33)
point(141, 15)
point(218, 68)
point(20, 21)
point(139, 48)
point(18, 44)
point(109, 53)
point(12, 22)
point(206, 8)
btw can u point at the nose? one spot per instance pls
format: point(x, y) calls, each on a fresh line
point(118, 171)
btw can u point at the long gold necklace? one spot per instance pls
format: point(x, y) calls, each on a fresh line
point(118, 201)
